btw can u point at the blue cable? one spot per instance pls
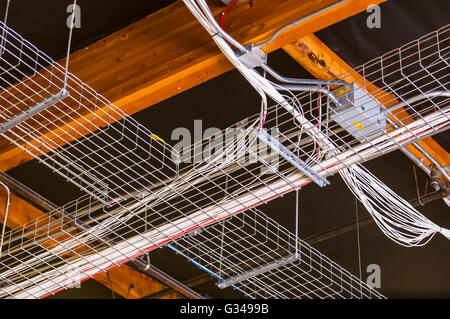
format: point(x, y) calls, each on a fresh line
point(200, 266)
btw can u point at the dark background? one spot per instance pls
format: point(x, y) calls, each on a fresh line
point(405, 272)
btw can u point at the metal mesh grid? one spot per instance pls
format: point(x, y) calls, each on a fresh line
point(407, 85)
point(119, 158)
point(142, 197)
point(234, 248)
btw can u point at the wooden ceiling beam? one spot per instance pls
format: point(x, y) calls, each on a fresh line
point(319, 60)
point(168, 52)
point(162, 55)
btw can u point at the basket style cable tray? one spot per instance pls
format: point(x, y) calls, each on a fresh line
point(255, 255)
point(140, 197)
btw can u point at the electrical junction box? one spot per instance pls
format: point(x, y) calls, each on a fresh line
point(254, 58)
point(360, 114)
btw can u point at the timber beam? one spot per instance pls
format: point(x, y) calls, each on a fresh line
point(169, 52)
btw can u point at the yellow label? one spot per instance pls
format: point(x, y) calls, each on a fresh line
point(359, 126)
point(342, 91)
point(156, 137)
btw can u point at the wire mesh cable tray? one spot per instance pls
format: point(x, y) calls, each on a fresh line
point(258, 257)
point(143, 196)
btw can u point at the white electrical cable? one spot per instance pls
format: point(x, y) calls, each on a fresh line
point(87, 266)
point(396, 218)
point(94, 263)
point(6, 215)
point(261, 85)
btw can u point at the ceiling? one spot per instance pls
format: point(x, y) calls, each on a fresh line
point(405, 272)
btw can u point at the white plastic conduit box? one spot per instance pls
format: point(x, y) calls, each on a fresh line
point(360, 114)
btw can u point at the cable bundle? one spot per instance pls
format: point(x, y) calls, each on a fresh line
point(396, 218)
point(264, 87)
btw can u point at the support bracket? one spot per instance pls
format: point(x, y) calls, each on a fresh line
point(255, 272)
point(33, 110)
point(292, 158)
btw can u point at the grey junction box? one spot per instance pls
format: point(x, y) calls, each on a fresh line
point(360, 114)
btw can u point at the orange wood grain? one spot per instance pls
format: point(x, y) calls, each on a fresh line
point(165, 54)
point(168, 52)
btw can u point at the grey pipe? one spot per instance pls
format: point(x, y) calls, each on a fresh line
point(310, 88)
point(297, 22)
point(417, 161)
point(416, 145)
point(418, 98)
point(283, 79)
point(424, 153)
point(222, 32)
point(432, 160)
point(272, 72)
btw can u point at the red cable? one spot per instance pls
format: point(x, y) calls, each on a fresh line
point(225, 12)
point(264, 114)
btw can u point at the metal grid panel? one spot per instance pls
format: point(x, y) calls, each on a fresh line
point(115, 160)
point(286, 266)
point(141, 197)
point(406, 85)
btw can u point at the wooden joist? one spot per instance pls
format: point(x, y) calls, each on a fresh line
point(168, 52)
point(319, 60)
point(132, 284)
